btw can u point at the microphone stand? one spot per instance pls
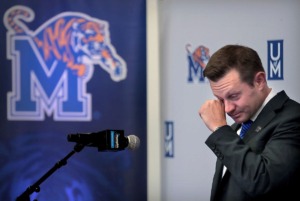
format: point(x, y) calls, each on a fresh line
point(25, 196)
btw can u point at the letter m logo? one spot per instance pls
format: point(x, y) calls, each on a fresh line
point(275, 60)
point(39, 89)
point(52, 65)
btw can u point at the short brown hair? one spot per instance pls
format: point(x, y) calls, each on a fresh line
point(244, 59)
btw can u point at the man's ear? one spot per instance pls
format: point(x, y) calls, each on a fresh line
point(260, 79)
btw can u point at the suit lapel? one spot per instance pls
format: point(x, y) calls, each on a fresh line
point(258, 125)
point(266, 115)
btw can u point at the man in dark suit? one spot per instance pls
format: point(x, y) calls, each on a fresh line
point(263, 163)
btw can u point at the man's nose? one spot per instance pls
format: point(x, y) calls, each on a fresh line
point(229, 106)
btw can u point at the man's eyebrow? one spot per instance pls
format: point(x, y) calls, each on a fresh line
point(218, 97)
point(228, 95)
point(235, 93)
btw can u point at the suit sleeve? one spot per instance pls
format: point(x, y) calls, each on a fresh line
point(268, 161)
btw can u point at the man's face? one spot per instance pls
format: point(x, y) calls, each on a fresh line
point(241, 100)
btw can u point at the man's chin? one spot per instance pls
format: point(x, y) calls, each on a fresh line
point(238, 119)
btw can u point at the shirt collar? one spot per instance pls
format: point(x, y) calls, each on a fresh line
point(269, 97)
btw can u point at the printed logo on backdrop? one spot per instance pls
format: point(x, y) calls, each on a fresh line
point(169, 139)
point(275, 60)
point(197, 61)
point(52, 64)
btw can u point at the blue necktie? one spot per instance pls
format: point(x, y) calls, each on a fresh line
point(245, 126)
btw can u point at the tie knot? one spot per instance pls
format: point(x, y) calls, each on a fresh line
point(247, 123)
point(245, 126)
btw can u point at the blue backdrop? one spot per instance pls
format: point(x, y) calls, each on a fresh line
point(70, 67)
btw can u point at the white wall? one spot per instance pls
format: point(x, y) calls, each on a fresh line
point(172, 24)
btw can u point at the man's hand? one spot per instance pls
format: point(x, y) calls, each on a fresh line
point(213, 114)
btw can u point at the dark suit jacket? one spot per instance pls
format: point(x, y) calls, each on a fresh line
point(265, 165)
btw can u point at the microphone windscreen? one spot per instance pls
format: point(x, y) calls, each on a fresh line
point(133, 142)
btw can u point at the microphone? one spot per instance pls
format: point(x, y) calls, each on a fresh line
point(106, 140)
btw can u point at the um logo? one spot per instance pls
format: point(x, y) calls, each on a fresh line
point(169, 139)
point(52, 65)
point(275, 60)
point(197, 62)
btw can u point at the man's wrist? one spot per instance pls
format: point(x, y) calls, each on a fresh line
point(218, 127)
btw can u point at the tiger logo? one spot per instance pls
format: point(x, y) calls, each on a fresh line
point(73, 40)
point(200, 55)
point(197, 61)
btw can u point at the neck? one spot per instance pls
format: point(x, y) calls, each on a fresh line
point(266, 91)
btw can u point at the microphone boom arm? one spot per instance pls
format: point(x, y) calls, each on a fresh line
point(25, 196)
point(107, 140)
